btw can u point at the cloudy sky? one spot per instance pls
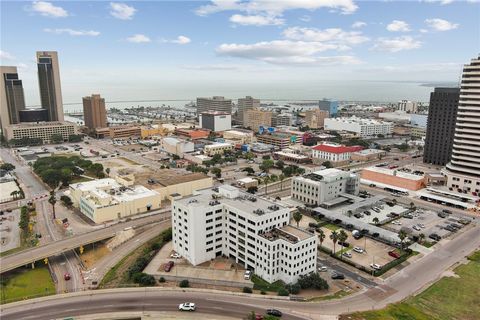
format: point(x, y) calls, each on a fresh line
point(181, 49)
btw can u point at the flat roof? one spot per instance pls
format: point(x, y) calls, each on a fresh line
point(370, 151)
point(291, 154)
point(395, 172)
point(167, 177)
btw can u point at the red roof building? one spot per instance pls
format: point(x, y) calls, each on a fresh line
point(335, 153)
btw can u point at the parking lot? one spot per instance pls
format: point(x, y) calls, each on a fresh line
point(9, 230)
point(374, 251)
point(368, 215)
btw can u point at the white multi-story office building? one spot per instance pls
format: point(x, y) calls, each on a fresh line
point(215, 121)
point(323, 186)
point(251, 230)
point(463, 170)
point(364, 128)
point(407, 106)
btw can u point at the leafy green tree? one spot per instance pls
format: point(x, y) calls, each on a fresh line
point(266, 165)
point(252, 190)
point(184, 284)
point(297, 216)
point(248, 170)
point(280, 164)
point(7, 167)
point(66, 201)
point(217, 172)
point(283, 292)
point(75, 138)
point(376, 221)
point(327, 164)
point(56, 138)
point(247, 290)
point(402, 235)
point(312, 280)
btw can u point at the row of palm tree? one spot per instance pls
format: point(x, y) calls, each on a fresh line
point(17, 194)
point(273, 178)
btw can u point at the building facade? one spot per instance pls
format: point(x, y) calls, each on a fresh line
point(442, 113)
point(336, 154)
point(281, 119)
point(12, 99)
point(94, 112)
point(177, 146)
point(331, 106)
point(280, 141)
point(407, 106)
point(241, 137)
point(321, 186)
point(245, 104)
point(256, 118)
point(117, 132)
point(463, 170)
point(215, 103)
point(217, 148)
point(33, 115)
point(42, 130)
point(49, 83)
point(315, 118)
point(215, 121)
point(384, 177)
point(364, 128)
point(250, 230)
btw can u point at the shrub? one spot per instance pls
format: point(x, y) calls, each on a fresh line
point(144, 279)
point(161, 280)
point(293, 288)
point(247, 290)
point(283, 292)
point(312, 280)
point(263, 292)
point(184, 284)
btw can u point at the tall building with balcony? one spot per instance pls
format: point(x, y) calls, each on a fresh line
point(245, 104)
point(94, 112)
point(463, 170)
point(442, 114)
point(215, 103)
point(11, 95)
point(49, 83)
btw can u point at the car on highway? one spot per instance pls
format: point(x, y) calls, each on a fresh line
point(375, 266)
point(358, 250)
point(168, 266)
point(274, 312)
point(322, 269)
point(67, 276)
point(187, 306)
point(347, 254)
point(175, 256)
point(337, 276)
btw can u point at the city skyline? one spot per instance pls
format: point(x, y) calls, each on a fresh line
point(131, 49)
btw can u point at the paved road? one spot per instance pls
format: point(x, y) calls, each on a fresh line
point(406, 282)
point(357, 275)
point(53, 248)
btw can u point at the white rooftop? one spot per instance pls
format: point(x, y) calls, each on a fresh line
point(395, 172)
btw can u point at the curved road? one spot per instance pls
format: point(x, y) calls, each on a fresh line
point(406, 282)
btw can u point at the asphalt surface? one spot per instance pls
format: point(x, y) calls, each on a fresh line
point(337, 267)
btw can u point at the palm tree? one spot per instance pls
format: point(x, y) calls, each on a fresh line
point(14, 194)
point(376, 220)
point(321, 236)
point(402, 235)
point(281, 177)
point(421, 237)
point(342, 237)
point(52, 200)
point(297, 216)
point(266, 180)
point(349, 213)
point(334, 237)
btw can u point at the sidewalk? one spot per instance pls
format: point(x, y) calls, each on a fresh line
point(153, 315)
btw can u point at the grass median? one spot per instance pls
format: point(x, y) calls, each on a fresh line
point(450, 298)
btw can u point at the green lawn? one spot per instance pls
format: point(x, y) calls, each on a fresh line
point(25, 283)
point(260, 284)
point(450, 298)
point(336, 295)
point(331, 227)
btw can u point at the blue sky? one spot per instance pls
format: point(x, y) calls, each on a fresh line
point(181, 49)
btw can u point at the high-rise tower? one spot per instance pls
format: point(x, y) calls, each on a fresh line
point(12, 98)
point(94, 112)
point(49, 82)
point(463, 170)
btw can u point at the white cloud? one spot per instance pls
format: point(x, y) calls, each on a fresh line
point(138, 38)
point(256, 20)
point(182, 40)
point(47, 9)
point(359, 24)
point(331, 35)
point(6, 55)
point(423, 30)
point(285, 52)
point(122, 11)
point(441, 25)
point(398, 26)
point(72, 32)
point(305, 18)
point(275, 8)
point(396, 44)
point(442, 2)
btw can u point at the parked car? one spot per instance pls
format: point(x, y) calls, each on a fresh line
point(168, 266)
point(367, 212)
point(408, 216)
point(394, 254)
point(322, 269)
point(175, 255)
point(187, 306)
point(274, 312)
point(347, 254)
point(358, 250)
point(67, 276)
point(337, 276)
point(247, 275)
point(258, 317)
point(435, 237)
point(344, 243)
point(375, 266)
point(442, 214)
point(415, 227)
point(372, 185)
point(421, 225)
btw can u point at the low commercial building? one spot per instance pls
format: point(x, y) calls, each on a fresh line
point(364, 128)
point(324, 187)
point(106, 199)
point(396, 178)
point(419, 132)
point(42, 130)
point(215, 121)
point(117, 132)
point(280, 141)
point(239, 136)
point(247, 182)
point(368, 155)
point(290, 156)
point(217, 148)
point(152, 130)
point(254, 232)
point(193, 134)
point(336, 154)
point(176, 146)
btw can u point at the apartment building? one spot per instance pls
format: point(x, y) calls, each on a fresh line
point(248, 229)
point(42, 130)
point(324, 186)
point(364, 128)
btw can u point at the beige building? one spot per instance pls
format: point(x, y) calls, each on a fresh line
point(118, 132)
point(94, 112)
point(418, 132)
point(256, 118)
point(239, 137)
point(217, 148)
point(42, 130)
point(49, 83)
point(368, 154)
point(245, 104)
point(11, 97)
point(215, 103)
point(315, 119)
point(107, 200)
point(176, 146)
